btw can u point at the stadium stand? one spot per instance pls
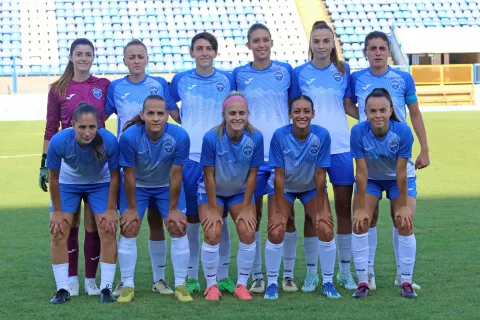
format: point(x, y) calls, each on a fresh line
point(41, 45)
point(353, 19)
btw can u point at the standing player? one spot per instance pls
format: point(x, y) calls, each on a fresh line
point(265, 84)
point(201, 91)
point(401, 88)
point(231, 155)
point(76, 85)
point(125, 97)
point(300, 154)
point(152, 154)
point(382, 148)
point(77, 165)
point(326, 80)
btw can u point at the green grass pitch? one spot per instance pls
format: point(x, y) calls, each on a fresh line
point(447, 227)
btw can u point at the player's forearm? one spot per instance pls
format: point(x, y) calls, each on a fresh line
point(250, 186)
point(350, 108)
point(419, 128)
point(401, 172)
point(361, 179)
point(320, 185)
point(175, 186)
point(55, 189)
point(46, 143)
point(211, 190)
point(279, 185)
point(113, 191)
point(130, 187)
point(175, 114)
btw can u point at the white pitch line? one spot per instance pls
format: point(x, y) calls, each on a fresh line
point(20, 156)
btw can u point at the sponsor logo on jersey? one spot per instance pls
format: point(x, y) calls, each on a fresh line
point(125, 95)
point(191, 87)
point(247, 151)
point(220, 87)
point(168, 147)
point(70, 96)
point(97, 93)
point(153, 90)
point(395, 84)
point(310, 81)
point(337, 76)
point(366, 86)
point(278, 76)
point(249, 80)
point(314, 149)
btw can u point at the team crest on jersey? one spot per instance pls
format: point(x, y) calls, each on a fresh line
point(395, 84)
point(168, 147)
point(153, 90)
point(314, 149)
point(394, 145)
point(220, 87)
point(278, 76)
point(97, 93)
point(247, 151)
point(337, 76)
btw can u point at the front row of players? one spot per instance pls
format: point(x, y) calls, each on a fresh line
point(84, 162)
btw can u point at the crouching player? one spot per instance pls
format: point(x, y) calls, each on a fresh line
point(231, 155)
point(382, 148)
point(152, 154)
point(77, 165)
point(300, 153)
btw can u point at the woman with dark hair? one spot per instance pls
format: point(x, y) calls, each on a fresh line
point(76, 85)
point(125, 98)
point(201, 92)
point(83, 163)
point(326, 80)
point(401, 87)
point(152, 155)
point(300, 154)
point(382, 148)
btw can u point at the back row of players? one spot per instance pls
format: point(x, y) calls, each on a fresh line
point(265, 87)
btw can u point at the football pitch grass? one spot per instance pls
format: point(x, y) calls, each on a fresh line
point(447, 229)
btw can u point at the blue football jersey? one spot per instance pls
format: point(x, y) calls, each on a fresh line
point(267, 94)
point(125, 98)
point(327, 87)
point(382, 154)
point(77, 164)
point(232, 161)
point(153, 160)
point(399, 84)
point(202, 99)
point(300, 158)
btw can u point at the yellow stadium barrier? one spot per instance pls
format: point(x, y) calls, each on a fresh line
point(444, 84)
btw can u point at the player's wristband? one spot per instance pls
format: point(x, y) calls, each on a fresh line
point(44, 160)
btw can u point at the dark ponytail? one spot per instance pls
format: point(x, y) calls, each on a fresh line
point(317, 25)
point(97, 143)
point(383, 93)
point(137, 119)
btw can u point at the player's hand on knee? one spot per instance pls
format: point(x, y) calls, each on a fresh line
point(325, 217)
point(404, 218)
point(275, 221)
point(109, 221)
point(176, 219)
point(249, 216)
point(57, 223)
point(211, 221)
point(129, 221)
point(361, 221)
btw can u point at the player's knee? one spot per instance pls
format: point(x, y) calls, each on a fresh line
point(324, 231)
point(175, 232)
point(362, 229)
point(59, 239)
point(211, 237)
point(276, 234)
point(404, 231)
point(245, 235)
point(131, 231)
point(106, 238)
